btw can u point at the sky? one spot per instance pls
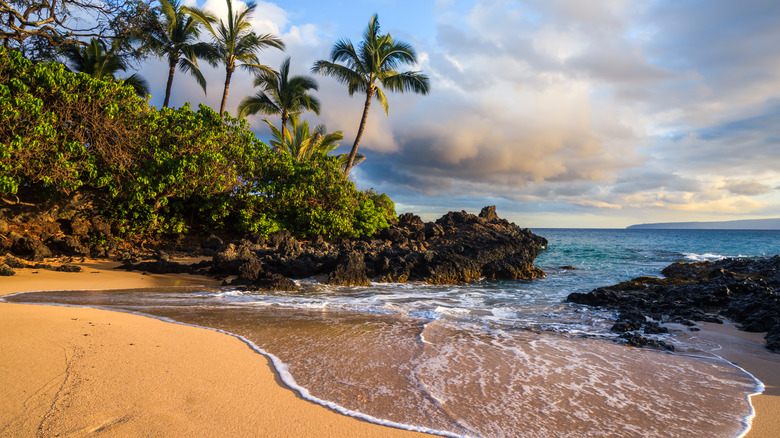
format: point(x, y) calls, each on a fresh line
point(574, 114)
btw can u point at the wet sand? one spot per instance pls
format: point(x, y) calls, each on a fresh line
point(75, 371)
point(113, 368)
point(747, 351)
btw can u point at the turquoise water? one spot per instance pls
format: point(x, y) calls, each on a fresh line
point(493, 359)
point(606, 256)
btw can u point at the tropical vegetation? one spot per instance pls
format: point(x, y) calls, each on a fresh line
point(168, 170)
point(101, 63)
point(81, 129)
point(174, 35)
point(280, 94)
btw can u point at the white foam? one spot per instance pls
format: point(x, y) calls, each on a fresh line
point(747, 421)
point(706, 257)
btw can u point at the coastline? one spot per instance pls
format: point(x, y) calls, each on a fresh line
point(746, 350)
point(81, 354)
point(75, 371)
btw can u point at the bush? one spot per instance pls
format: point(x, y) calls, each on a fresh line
point(312, 197)
point(58, 129)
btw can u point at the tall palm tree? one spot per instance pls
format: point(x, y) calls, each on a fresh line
point(235, 44)
point(371, 65)
point(281, 94)
point(175, 36)
point(101, 63)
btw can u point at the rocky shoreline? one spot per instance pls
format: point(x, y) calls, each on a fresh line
point(457, 248)
point(745, 291)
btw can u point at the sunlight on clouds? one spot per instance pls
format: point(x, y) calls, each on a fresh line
point(598, 204)
point(619, 108)
point(559, 44)
point(269, 18)
point(741, 205)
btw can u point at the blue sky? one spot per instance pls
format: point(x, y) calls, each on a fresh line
point(561, 113)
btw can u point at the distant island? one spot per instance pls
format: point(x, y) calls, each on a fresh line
point(747, 224)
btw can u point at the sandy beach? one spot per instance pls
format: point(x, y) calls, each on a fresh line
point(77, 371)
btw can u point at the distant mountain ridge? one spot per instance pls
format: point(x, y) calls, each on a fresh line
point(745, 224)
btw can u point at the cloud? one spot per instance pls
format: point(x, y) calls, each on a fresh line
point(747, 188)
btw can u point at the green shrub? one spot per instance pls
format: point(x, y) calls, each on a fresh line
point(313, 197)
point(168, 170)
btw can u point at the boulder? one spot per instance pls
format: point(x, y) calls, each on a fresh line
point(489, 213)
point(350, 271)
point(6, 271)
point(273, 282)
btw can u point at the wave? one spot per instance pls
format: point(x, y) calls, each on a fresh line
point(707, 257)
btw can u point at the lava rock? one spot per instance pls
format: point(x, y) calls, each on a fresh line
point(6, 271)
point(745, 291)
point(350, 271)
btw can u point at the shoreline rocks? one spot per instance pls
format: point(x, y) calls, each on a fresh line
point(744, 291)
point(457, 248)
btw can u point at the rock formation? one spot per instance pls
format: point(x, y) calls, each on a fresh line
point(744, 291)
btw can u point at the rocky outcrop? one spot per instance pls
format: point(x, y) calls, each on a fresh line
point(744, 291)
point(458, 248)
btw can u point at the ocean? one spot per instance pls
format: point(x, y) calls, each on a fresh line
point(492, 358)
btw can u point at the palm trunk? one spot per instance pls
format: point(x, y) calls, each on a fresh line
point(353, 152)
point(228, 74)
point(284, 125)
point(172, 63)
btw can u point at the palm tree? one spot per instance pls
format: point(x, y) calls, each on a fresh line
point(235, 44)
point(304, 144)
point(94, 60)
point(372, 65)
point(176, 37)
point(281, 95)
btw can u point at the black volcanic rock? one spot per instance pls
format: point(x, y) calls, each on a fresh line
point(745, 291)
point(459, 247)
point(350, 271)
point(6, 271)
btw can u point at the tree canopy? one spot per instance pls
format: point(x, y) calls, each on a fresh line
point(62, 22)
point(168, 170)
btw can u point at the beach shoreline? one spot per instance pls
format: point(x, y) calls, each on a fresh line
point(75, 371)
point(124, 417)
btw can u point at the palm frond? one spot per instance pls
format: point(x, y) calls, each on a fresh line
point(407, 81)
point(354, 81)
point(380, 96)
point(139, 84)
point(206, 18)
point(190, 66)
point(259, 103)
